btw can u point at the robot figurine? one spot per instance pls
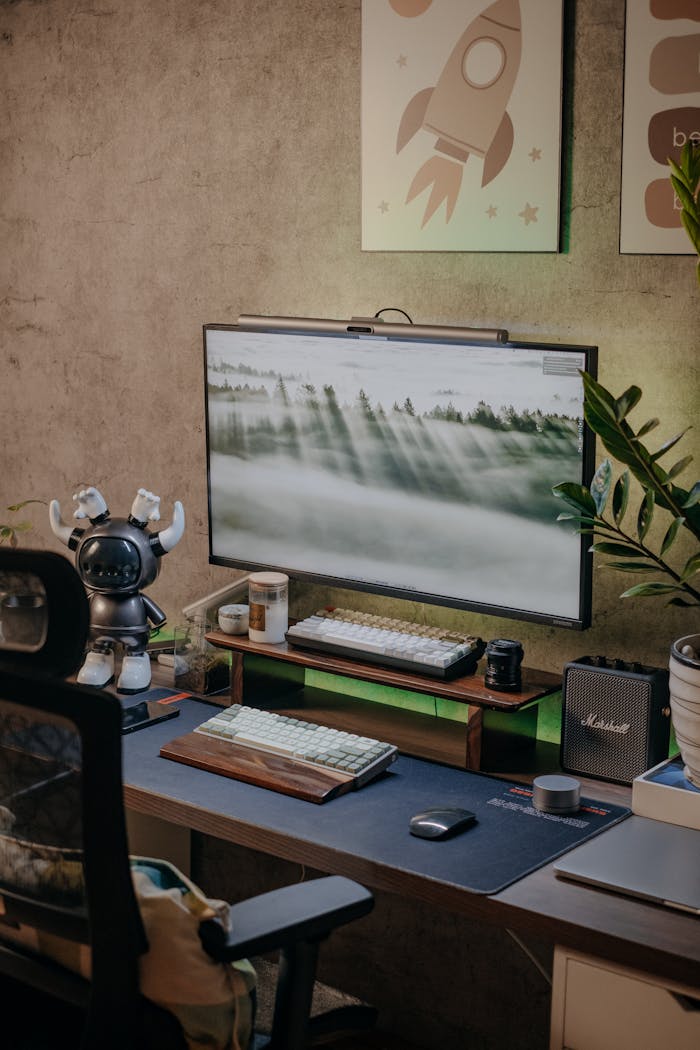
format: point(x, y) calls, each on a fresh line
point(115, 558)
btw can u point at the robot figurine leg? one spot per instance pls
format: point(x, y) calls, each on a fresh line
point(98, 668)
point(135, 674)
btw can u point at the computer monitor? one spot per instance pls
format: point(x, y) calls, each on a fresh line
point(409, 461)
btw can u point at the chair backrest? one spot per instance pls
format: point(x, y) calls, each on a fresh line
point(64, 864)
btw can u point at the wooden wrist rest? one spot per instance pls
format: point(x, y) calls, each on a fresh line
point(276, 772)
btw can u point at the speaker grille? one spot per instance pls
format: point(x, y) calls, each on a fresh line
point(598, 707)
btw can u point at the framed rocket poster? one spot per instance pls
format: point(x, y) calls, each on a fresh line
point(661, 112)
point(461, 125)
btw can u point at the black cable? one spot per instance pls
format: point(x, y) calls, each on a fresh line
point(395, 309)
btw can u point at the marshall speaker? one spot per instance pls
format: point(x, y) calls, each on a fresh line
point(615, 718)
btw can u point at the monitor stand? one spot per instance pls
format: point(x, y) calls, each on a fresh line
point(496, 725)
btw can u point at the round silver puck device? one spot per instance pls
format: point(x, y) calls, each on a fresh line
point(556, 794)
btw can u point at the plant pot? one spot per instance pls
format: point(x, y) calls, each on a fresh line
point(684, 687)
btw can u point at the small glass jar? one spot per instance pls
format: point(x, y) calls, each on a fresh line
point(268, 599)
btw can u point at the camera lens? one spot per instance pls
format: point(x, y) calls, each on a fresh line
point(503, 659)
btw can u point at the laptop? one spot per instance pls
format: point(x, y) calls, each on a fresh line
point(643, 858)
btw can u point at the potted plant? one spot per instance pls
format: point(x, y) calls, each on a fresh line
point(623, 534)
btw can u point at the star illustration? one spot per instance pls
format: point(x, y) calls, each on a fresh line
point(492, 211)
point(535, 154)
point(401, 61)
point(529, 214)
point(383, 207)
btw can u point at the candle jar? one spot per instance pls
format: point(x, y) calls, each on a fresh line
point(268, 599)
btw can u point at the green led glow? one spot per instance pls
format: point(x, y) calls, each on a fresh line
point(549, 709)
point(379, 694)
point(392, 697)
point(549, 718)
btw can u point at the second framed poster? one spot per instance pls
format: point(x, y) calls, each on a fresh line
point(661, 113)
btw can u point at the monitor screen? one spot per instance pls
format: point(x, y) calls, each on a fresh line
point(407, 461)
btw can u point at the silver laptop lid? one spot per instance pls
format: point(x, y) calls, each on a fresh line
point(643, 858)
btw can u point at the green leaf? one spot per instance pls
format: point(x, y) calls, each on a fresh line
point(693, 497)
point(694, 213)
point(687, 155)
point(661, 475)
point(596, 394)
point(608, 431)
point(649, 590)
point(692, 160)
point(668, 445)
point(650, 425)
point(19, 526)
point(689, 166)
point(626, 402)
point(24, 503)
point(619, 550)
point(679, 467)
point(645, 515)
point(576, 496)
point(692, 228)
point(675, 170)
point(621, 496)
point(600, 485)
point(691, 567)
point(598, 419)
point(591, 523)
point(632, 566)
point(683, 193)
point(671, 534)
point(618, 437)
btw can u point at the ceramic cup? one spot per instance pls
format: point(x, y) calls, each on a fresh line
point(233, 619)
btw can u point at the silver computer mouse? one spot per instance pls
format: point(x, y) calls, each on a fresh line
point(440, 822)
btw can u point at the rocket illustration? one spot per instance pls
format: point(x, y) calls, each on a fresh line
point(466, 109)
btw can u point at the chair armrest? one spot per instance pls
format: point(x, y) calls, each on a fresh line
point(306, 911)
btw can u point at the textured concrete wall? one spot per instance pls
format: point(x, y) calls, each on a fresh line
point(164, 164)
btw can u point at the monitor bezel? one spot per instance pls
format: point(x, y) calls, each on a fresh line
point(419, 333)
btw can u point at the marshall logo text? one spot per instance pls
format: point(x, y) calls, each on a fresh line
point(593, 722)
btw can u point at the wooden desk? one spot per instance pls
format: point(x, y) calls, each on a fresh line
point(657, 940)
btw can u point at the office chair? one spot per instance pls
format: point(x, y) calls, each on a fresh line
point(65, 871)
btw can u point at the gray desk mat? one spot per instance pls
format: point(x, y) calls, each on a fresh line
point(509, 840)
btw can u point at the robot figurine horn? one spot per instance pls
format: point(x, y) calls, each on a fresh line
point(116, 558)
point(466, 109)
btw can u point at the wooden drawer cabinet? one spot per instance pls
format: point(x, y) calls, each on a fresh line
point(598, 1005)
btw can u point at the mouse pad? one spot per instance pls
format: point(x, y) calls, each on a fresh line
point(505, 814)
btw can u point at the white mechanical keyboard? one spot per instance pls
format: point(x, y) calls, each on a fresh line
point(390, 643)
point(360, 757)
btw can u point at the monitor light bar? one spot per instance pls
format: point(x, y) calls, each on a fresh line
point(374, 326)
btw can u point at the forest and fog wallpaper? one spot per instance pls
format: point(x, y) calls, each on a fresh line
point(399, 464)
